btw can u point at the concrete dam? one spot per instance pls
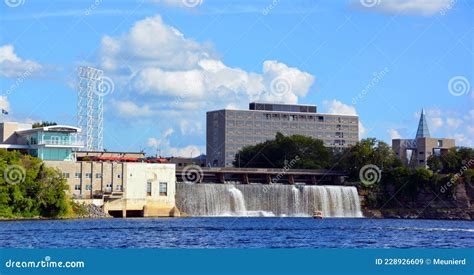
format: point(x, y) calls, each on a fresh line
point(257, 200)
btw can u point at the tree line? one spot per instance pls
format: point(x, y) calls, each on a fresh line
point(30, 189)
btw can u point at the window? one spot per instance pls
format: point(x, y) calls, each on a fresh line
point(118, 187)
point(163, 189)
point(118, 176)
point(440, 143)
point(77, 187)
point(54, 140)
point(78, 175)
point(98, 175)
point(108, 187)
point(148, 188)
point(66, 175)
point(88, 186)
point(88, 175)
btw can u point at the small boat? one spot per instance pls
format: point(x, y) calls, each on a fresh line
point(317, 214)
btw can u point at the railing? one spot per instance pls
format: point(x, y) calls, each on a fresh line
point(61, 142)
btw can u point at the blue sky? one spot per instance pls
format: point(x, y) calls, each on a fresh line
point(172, 60)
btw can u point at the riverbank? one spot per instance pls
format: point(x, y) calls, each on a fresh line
point(80, 211)
point(454, 204)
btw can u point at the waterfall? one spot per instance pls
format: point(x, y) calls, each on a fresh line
point(267, 200)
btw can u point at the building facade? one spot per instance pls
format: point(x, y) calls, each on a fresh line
point(146, 189)
point(121, 182)
point(415, 152)
point(227, 131)
point(56, 142)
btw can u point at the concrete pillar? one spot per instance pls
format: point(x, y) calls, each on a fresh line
point(268, 179)
point(221, 177)
point(245, 178)
point(291, 179)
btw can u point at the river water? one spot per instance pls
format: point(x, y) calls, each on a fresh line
point(237, 232)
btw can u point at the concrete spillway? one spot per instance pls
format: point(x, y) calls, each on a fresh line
point(267, 200)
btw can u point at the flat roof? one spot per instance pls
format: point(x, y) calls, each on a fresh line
point(283, 112)
point(53, 128)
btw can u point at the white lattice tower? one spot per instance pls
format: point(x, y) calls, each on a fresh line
point(90, 107)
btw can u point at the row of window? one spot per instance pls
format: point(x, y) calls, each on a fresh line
point(289, 117)
point(163, 188)
point(87, 175)
point(108, 187)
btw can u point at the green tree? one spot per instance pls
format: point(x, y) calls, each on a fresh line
point(28, 188)
point(365, 152)
point(296, 152)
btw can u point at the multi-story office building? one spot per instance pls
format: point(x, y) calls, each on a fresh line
point(415, 152)
point(230, 130)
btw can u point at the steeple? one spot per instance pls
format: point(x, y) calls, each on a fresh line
point(422, 131)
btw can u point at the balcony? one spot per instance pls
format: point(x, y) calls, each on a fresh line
point(61, 142)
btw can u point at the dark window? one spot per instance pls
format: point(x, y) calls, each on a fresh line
point(148, 188)
point(163, 189)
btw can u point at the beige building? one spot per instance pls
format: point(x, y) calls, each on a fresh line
point(415, 152)
point(122, 188)
point(228, 131)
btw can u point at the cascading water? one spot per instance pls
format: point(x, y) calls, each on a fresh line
point(267, 200)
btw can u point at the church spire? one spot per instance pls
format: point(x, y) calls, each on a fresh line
point(422, 131)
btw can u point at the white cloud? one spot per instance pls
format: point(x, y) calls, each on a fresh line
point(394, 134)
point(160, 61)
point(13, 66)
point(153, 142)
point(435, 123)
point(453, 122)
point(337, 107)
point(163, 145)
point(130, 109)
point(404, 7)
point(180, 3)
point(162, 74)
point(187, 152)
point(4, 103)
